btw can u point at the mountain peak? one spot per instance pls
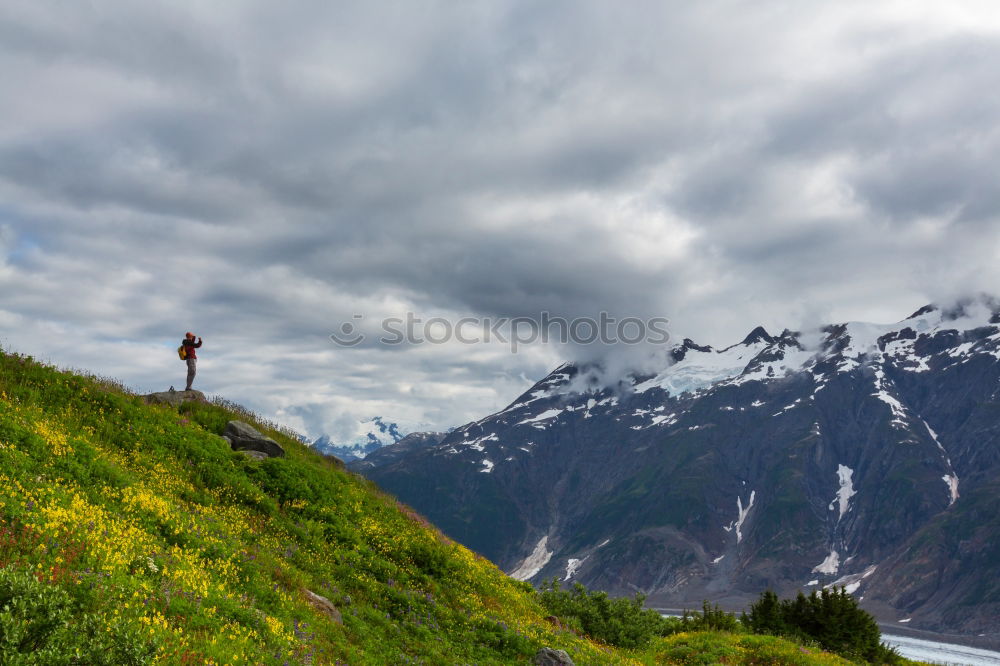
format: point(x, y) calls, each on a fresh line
point(691, 344)
point(681, 350)
point(758, 334)
point(927, 309)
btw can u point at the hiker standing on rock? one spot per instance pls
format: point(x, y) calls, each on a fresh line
point(189, 346)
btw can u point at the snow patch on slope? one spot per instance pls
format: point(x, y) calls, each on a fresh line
point(702, 369)
point(952, 482)
point(659, 419)
point(830, 565)
point(544, 416)
point(572, 566)
point(533, 563)
point(882, 393)
point(477, 443)
point(846, 491)
point(852, 582)
point(741, 515)
point(788, 407)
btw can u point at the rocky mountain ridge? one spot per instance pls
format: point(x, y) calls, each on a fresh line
point(391, 452)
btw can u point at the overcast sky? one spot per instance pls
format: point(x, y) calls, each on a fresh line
point(261, 172)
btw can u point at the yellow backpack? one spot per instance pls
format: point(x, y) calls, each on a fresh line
point(182, 352)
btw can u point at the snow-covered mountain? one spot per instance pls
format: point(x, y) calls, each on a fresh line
point(860, 455)
point(371, 435)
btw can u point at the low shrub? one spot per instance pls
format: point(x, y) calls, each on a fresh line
point(621, 622)
point(711, 618)
point(708, 647)
point(42, 624)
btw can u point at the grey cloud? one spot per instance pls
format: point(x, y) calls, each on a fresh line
point(262, 172)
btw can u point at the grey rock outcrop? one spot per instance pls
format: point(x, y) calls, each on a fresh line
point(256, 455)
point(324, 605)
point(173, 398)
point(243, 437)
point(549, 657)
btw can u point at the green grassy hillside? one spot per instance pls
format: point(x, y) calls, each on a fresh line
point(133, 534)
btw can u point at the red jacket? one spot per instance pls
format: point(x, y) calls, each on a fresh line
point(190, 346)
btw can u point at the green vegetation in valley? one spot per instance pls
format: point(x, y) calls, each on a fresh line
point(621, 622)
point(794, 631)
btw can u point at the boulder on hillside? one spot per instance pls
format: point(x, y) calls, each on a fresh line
point(324, 605)
point(243, 437)
point(550, 657)
point(173, 398)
